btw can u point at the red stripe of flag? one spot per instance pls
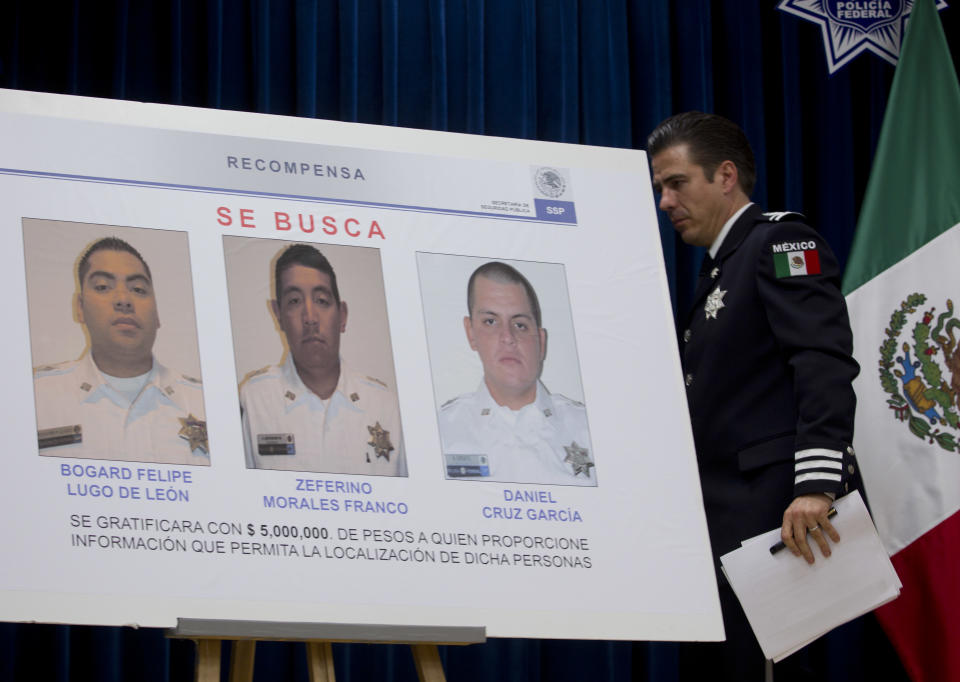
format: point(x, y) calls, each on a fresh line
point(813, 262)
point(924, 623)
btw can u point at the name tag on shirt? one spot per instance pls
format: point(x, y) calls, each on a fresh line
point(467, 466)
point(59, 435)
point(276, 444)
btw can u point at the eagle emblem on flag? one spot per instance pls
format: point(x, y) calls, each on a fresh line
point(922, 378)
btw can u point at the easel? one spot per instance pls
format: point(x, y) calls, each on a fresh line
point(319, 637)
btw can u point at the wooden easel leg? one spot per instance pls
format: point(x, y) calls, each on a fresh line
point(208, 660)
point(427, 659)
point(320, 662)
point(241, 660)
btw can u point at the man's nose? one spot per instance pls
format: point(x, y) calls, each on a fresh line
point(310, 312)
point(122, 300)
point(508, 334)
point(666, 200)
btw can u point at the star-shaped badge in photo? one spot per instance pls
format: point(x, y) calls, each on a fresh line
point(194, 431)
point(714, 302)
point(578, 458)
point(851, 28)
point(380, 441)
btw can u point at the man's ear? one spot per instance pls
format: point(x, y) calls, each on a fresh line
point(729, 175)
point(468, 328)
point(343, 316)
point(275, 307)
point(78, 307)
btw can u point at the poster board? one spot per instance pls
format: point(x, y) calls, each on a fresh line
point(117, 541)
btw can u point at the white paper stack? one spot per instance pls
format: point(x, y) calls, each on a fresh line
point(790, 603)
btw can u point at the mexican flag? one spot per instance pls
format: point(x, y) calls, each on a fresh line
point(903, 290)
point(793, 263)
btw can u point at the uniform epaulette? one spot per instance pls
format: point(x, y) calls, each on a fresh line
point(377, 381)
point(783, 216)
point(53, 367)
point(450, 402)
point(192, 380)
point(255, 373)
point(560, 398)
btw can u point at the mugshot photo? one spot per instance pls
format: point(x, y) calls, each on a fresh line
point(113, 337)
point(506, 376)
point(315, 373)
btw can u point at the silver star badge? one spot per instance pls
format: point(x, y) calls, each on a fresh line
point(714, 273)
point(578, 458)
point(380, 441)
point(714, 303)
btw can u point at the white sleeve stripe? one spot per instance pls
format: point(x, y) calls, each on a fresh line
point(816, 476)
point(821, 453)
point(818, 463)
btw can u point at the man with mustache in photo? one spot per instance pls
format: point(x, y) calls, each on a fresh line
point(312, 412)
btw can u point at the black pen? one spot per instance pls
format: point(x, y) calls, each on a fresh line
point(777, 547)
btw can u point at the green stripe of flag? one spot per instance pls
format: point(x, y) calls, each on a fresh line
point(781, 265)
point(913, 194)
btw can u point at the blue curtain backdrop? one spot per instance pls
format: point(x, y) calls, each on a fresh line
point(599, 72)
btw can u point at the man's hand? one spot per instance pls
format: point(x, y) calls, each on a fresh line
point(808, 514)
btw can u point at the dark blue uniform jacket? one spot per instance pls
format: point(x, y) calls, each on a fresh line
point(767, 361)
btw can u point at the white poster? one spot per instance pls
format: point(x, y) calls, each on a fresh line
point(261, 368)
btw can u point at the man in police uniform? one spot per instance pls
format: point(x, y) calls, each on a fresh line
point(312, 412)
point(512, 429)
point(117, 401)
point(767, 362)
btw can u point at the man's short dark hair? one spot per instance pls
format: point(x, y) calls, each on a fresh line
point(309, 257)
point(108, 244)
point(711, 140)
point(504, 274)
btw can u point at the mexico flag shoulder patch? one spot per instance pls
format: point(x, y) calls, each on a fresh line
point(801, 259)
